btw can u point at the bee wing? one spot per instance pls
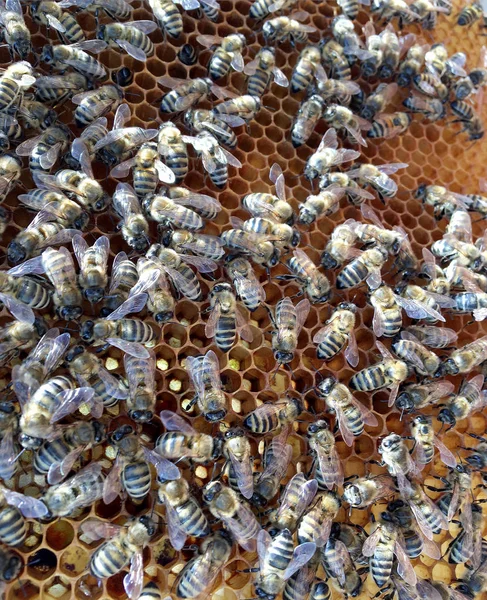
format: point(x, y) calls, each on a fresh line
point(26, 148)
point(71, 400)
point(232, 120)
point(279, 77)
point(133, 582)
point(179, 281)
point(480, 314)
point(204, 265)
point(393, 395)
point(370, 544)
point(173, 422)
point(243, 327)
point(132, 50)
point(305, 496)
point(114, 387)
point(243, 474)
point(420, 455)
point(440, 390)
point(14, 6)
point(329, 140)
point(355, 133)
point(417, 310)
point(457, 61)
point(60, 469)
point(132, 348)
point(147, 280)
point(165, 468)
point(62, 237)
point(446, 456)
point(211, 368)
point(331, 467)
point(442, 300)
point(386, 355)
point(165, 174)
point(123, 169)
point(133, 304)
point(177, 535)
point(264, 541)
point(429, 548)
point(116, 271)
point(187, 101)
point(251, 67)
point(80, 246)
point(323, 333)
point(170, 82)
point(378, 321)
point(143, 25)
point(209, 40)
point(404, 567)
point(302, 311)
point(368, 416)
point(229, 158)
point(301, 555)
point(345, 430)
point(342, 156)
point(30, 507)
point(112, 486)
point(212, 322)
point(201, 201)
point(95, 46)
point(392, 167)
point(19, 310)
point(249, 285)
point(97, 530)
point(240, 528)
point(8, 454)
point(237, 62)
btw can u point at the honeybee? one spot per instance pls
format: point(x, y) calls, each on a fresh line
point(334, 59)
point(247, 286)
point(417, 396)
point(351, 415)
point(55, 458)
point(131, 37)
point(381, 546)
point(340, 569)
point(375, 233)
point(183, 513)
point(470, 120)
point(269, 206)
point(469, 400)
point(365, 491)
point(11, 566)
point(150, 591)
point(19, 335)
point(269, 417)
point(225, 318)
point(467, 545)
point(50, 14)
point(426, 440)
point(13, 81)
point(153, 281)
point(15, 31)
point(206, 206)
point(134, 225)
point(444, 202)
point(123, 278)
point(478, 459)
point(238, 468)
point(259, 247)
point(307, 68)
point(35, 115)
point(225, 504)
point(125, 545)
point(338, 332)
point(276, 460)
point(56, 89)
point(260, 70)
point(314, 284)
point(43, 150)
point(67, 213)
point(421, 359)
point(430, 85)
point(129, 335)
point(10, 169)
point(116, 9)
point(310, 112)
point(387, 319)
point(316, 524)
point(201, 571)
point(463, 360)
point(76, 56)
point(327, 156)
point(263, 8)
point(375, 44)
point(82, 148)
point(411, 64)
point(420, 303)
point(185, 94)
point(141, 398)
point(281, 29)
point(396, 456)
point(378, 177)
point(228, 53)
point(168, 16)
point(166, 211)
point(338, 248)
point(389, 373)
point(288, 322)
point(66, 499)
point(366, 266)
point(182, 441)
point(92, 261)
point(204, 372)
point(389, 125)
point(14, 508)
point(342, 117)
point(199, 120)
point(470, 14)
point(94, 104)
point(295, 499)
point(377, 101)
point(329, 470)
point(278, 561)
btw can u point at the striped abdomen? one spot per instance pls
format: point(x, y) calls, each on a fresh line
point(73, 33)
point(192, 519)
point(302, 76)
point(133, 330)
point(171, 19)
point(150, 592)
point(352, 274)
point(219, 64)
point(47, 398)
point(39, 152)
point(413, 543)
point(136, 479)
point(192, 290)
point(371, 378)
point(226, 332)
point(9, 91)
point(13, 527)
point(331, 346)
point(50, 453)
point(392, 321)
point(280, 552)
point(145, 181)
point(177, 160)
point(381, 564)
point(108, 560)
point(468, 301)
point(354, 420)
point(258, 82)
point(32, 293)
point(220, 175)
point(262, 423)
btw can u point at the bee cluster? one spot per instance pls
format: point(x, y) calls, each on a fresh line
point(187, 355)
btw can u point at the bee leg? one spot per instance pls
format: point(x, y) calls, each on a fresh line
point(253, 570)
point(478, 437)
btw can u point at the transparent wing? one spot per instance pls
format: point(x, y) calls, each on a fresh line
point(445, 454)
point(30, 507)
point(165, 468)
point(59, 470)
point(378, 321)
point(71, 400)
point(97, 530)
point(132, 50)
point(243, 474)
point(133, 304)
point(330, 140)
point(176, 533)
point(173, 422)
point(211, 324)
point(19, 310)
point(134, 581)
point(301, 555)
point(417, 310)
point(132, 348)
point(8, 454)
point(112, 486)
point(404, 567)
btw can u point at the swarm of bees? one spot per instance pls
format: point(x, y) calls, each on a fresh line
point(88, 318)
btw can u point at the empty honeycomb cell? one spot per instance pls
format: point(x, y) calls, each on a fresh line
point(23, 588)
point(59, 535)
point(42, 564)
point(197, 336)
point(231, 380)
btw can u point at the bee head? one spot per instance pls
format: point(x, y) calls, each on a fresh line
point(283, 358)
point(421, 191)
point(101, 203)
point(368, 68)
point(217, 447)
point(328, 261)
point(446, 416)
point(74, 352)
point(47, 55)
point(13, 568)
point(211, 490)
point(30, 443)
point(317, 426)
point(448, 367)
point(121, 432)
point(70, 313)
point(296, 238)
point(326, 385)
point(123, 77)
point(100, 34)
point(347, 306)
point(81, 221)
point(164, 317)
point(86, 331)
point(93, 294)
point(476, 461)
point(99, 432)
point(40, 326)
point(15, 253)
point(141, 416)
point(139, 243)
point(404, 402)
point(166, 237)
point(215, 415)
point(149, 524)
point(234, 432)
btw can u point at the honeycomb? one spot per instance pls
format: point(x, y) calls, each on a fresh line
point(56, 559)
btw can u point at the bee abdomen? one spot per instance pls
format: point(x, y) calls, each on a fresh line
point(351, 275)
point(457, 550)
point(137, 480)
point(258, 83)
point(219, 66)
point(300, 78)
point(413, 543)
point(73, 31)
point(192, 519)
point(354, 420)
point(33, 294)
point(381, 567)
point(393, 325)
point(107, 560)
point(172, 20)
point(145, 182)
point(220, 175)
point(50, 453)
point(260, 424)
point(150, 592)
point(280, 552)
point(13, 527)
point(307, 528)
point(331, 346)
point(8, 92)
point(225, 333)
point(178, 163)
point(371, 378)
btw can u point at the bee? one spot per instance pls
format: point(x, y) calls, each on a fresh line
point(389, 125)
point(183, 513)
point(201, 571)
point(421, 359)
point(182, 441)
point(327, 156)
point(340, 569)
point(92, 261)
point(180, 240)
point(315, 526)
point(215, 158)
point(343, 30)
point(432, 108)
point(168, 17)
point(350, 414)
point(43, 150)
point(376, 234)
point(426, 441)
point(269, 206)
point(439, 281)
point(50, 14)
point(339, 246)
point(430, 85)
point(15, 31)
point(183, 278)
point(204, 373)
point(238, 110)
point(150, 591)
point(469, 400)
point(416, 396)
point(335, 60)
point(329, 470)
point(288, 322)
point(341, 90)
point(310, 112)
point(375, 44)
point(365, 267)
point(269, 417)
point(387, 319)
point(293, 503)
point(342, 117)
point(263, 8)
point(260, 70)
point(185, 94)
point(206, 206)
point(363, 492)
point(188, 54)
point(11, 566)
point(82, 148)
point(338, 332)
point(411, 65)
point(83, 489)
point(126, 545)
point(167, 211)
point(141, 400)
point(10, 170)
point(478, 460)
point(134, 225)
point(153, 281)
point(227, 55)
point(123, 77)
point(444, 202)
point(116, 9)
point(56, 89)
point(276, 460)
point(389, 373)
point(377, 101)
point(470, 120)
point(314, 284)
point(259, 247)
point(396, 456)
point(200, 120)
point(237, 451)
point(35, 115)
point(247, 286)
point(225, 318)
point(470, 14)
point(124, 277)
point(76, 56)
point(55, 458)
point(306, 69)
point(131, 37)
point(381, 546)
point(14, 507)
point(420, 303)
point(278, 561)
point(13, 81)
point(281, 29)
point(20, 335)
point(94, 104)
point(463, 360)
